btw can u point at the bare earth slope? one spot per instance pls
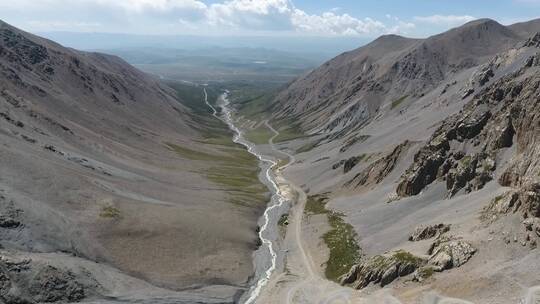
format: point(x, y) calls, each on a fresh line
point(430, 152)
point(87, 169)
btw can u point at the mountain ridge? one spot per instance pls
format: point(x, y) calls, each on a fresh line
point(104, 163)
point(388, 69)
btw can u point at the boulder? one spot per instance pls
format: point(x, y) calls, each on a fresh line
point(447, 254)
point(525, 199)
point(427, 232)
point(382, 269)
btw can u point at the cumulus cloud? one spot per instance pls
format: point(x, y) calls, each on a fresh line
point(445, 20)
point(179, 16)
point(283, 15)
point(268, 15)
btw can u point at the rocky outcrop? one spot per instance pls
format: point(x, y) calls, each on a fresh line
point(463, 150)
point(427, 232)
point(447, 253)
point(377, 171)
point(524, 200)
point(350, 163)
point(382, 269)
point(533, 41)
point(51, 284)
point(10, 217)
point(23, 281)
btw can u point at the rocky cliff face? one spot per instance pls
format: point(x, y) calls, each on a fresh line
point(465, 148)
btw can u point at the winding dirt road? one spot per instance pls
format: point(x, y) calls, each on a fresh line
point(300, 282)
point(304, 284)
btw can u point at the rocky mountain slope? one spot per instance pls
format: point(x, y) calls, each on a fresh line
point(390, 72)
point(429, 150)
point(101, 190)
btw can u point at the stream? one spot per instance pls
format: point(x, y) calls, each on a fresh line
point(266, 257)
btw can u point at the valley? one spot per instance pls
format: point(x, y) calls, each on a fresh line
point(404, 171)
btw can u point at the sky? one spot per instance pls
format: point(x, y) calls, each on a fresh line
point(307, 18)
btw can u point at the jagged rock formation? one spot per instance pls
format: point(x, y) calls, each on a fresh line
point(379, 169)
point(464, 148)
point(447, 253)
point(382, 269)
point(426, 232)
point(23, 281)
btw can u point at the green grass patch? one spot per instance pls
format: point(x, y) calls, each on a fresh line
point(109, 212)
point(399, 101)
point(237, 173)
point(289, 133)
point(407, 257)
point(229, 165)
point(260, 135)
point(191, 96)
point(252, 100)
point(307, 147)
point(340, 240)
point(282, 162)
point(190, 154)
point(316, 204)
point(425, 272)
point(344, 250)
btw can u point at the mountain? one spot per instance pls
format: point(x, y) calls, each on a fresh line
point(354, 87)
point(424, 152)
point(104, 183)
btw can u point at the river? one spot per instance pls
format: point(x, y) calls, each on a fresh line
point(266, 257)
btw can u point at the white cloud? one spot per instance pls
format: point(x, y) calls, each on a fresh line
point(331, 24)
point(283, 15)
point(194, 16)
point(251, 14)
point(445, 20)
point(157, 5)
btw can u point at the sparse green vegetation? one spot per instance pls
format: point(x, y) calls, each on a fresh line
point(344, 250)
point(282, 162)
point(341, 239)
point(397, 102)
point(307, 147)
point(109, 212)
point(289, 133)
point(230, 165)
point(283, 220)
point(252, 100)
point(260, 135)
point(316, 204)
point(425, 272)
point(188, 153)
point(466, 161)
point(191, 96)
point(407, 257)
